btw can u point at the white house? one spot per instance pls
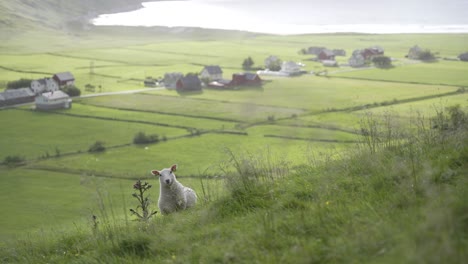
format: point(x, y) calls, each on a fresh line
point(290, 68)
point(211, 73)
point(44, 85)
point(53, 100)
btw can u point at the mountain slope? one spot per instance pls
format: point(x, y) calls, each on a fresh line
point(21, 15)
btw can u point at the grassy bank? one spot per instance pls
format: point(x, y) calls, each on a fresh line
point(395, 201)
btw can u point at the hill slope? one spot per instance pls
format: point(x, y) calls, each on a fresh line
point(20, 15)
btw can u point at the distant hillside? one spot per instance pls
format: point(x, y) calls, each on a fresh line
point(20, 15)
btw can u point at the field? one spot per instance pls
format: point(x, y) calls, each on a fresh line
point(299, 121)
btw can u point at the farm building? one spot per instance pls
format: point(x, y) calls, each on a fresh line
point(16, 96)
point(189, 83)
point(247, 79)
point(53, 100)
point(44, 85)
point(326, 55)
point(238, 79)
point(64, 79)
point(211, 73)
point(171, 79)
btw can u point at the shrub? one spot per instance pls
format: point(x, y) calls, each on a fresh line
point(142, 138)
point(13, 160)
point(382, 61)
point(426, 55)
point(71, 90)
point(21, 83)
point(98, 146)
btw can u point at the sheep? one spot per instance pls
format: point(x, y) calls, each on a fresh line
point(173, 196)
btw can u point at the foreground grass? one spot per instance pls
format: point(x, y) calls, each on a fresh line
point(401, 204)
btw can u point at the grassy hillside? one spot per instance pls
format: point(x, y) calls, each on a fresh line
point(17, 15)
point(404, 204)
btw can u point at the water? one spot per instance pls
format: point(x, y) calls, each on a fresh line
point(301, 16)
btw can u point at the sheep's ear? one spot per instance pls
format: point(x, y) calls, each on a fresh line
point(174, 167)
point(155, 172)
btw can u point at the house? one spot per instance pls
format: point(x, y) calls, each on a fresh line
point(246, 79)
point(357, 59)
point(290, 68)
point(53, 100)
point(64, 79)
point(189, 83)
point(16, 96)
point(44, 85)
point(330, 63)
point(315, 50)
point(463, 56)
point(326, 54)
point(211, 73)
point(171, 79)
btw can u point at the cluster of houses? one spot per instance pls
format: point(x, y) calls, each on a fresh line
point(44, 92)
point(326, 56)
point(211, 76)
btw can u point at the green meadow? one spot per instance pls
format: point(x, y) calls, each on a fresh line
point(305, 127)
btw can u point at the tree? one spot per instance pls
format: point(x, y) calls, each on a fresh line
point(142, 138)
point(426, 55)
point(248, 63)
point(273, 63)
point(98, 146)
point(382, 61)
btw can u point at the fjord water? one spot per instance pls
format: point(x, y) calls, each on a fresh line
point(301, 16)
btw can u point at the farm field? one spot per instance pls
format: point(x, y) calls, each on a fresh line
point(296, 120)
point(438, 73)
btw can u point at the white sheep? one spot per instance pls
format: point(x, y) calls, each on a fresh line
point(173, 196)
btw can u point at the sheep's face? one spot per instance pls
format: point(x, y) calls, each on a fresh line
point(166, 176)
